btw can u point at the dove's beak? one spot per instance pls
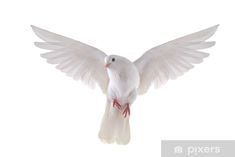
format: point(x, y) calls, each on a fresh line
point(107, 65)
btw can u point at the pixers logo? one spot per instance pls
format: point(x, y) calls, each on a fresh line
point(196, 150)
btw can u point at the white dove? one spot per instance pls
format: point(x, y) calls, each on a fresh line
point(119, 78)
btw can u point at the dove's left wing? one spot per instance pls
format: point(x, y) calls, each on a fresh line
point(172, 59)
point(76, 59)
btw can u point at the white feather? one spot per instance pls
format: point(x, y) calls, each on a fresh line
point(76, 59)
point(172, 59)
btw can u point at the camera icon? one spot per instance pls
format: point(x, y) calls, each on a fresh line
point(178, 150)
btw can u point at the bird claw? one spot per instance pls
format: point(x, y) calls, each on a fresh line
point(126, 111)
point(116, 104)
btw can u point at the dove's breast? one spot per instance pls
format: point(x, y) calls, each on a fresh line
point(124, 81)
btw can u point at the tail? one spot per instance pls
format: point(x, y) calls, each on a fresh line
point(114, 127)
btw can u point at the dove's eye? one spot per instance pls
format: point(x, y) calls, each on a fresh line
point(113, 59)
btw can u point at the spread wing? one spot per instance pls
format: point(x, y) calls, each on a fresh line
point(76, 59)
point(172, 59)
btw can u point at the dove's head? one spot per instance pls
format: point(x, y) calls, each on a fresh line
point(115, 63)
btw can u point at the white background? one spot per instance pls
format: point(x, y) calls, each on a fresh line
point(45, 113)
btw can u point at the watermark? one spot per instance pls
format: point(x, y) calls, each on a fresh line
point(198, 148)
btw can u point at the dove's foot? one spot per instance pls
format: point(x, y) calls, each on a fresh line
point(116, 104)
point(126, 110)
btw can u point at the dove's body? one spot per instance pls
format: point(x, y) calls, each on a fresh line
point(122, 79)
point(123, 85)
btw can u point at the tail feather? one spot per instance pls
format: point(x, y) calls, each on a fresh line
point(123, 130)
point(114, 127)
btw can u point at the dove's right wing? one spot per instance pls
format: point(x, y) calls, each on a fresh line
point(76, 59)
point(172, 59)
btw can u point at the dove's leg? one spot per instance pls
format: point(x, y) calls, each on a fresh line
point(112, 97)
point(126, 110)
point(116, 104)
point(130, 99)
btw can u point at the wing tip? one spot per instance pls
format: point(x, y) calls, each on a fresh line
point(206, 55)
point(210, 44)
point(213, 43)
point(43, 55)
point(37, 44)
point(214, 28)
point(34, 28)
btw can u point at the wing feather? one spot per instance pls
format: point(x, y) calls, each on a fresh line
point(172, 59)
point(78, 60)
